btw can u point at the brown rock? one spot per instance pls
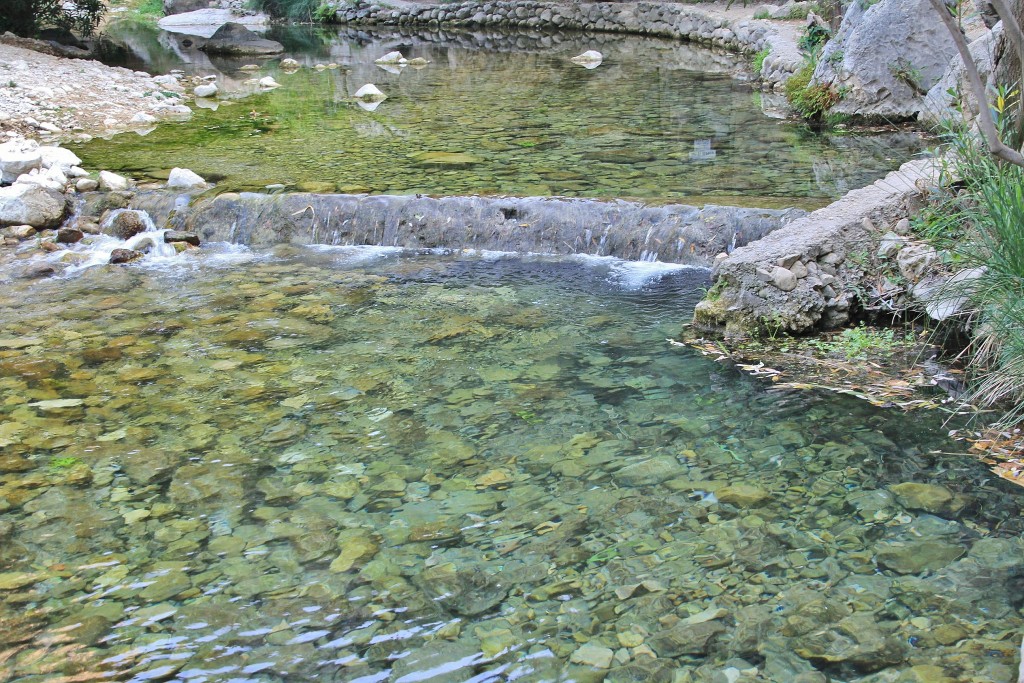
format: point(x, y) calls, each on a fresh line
point(125, 256)
point(172, 236)
point(126, 225)
point(69, 235)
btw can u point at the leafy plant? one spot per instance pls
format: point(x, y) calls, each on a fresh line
point(903, 70)
point(859, 342)
point(64, 463)
point(308, 11)
point(980, 221)
point(325, 13)
point(759, 58)
point(813, 39)
point(812, 102)
point(762, 14)
point(29, 17)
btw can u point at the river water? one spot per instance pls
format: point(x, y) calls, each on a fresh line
point(364, 464)
point(494, 113)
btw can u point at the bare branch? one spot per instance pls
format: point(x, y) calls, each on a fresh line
point(985, 121)
point(1011, 26)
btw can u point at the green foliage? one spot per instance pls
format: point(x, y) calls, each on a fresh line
point(979, 220)
point(904, 70)
point(812, 102)
point(150, 8)
point(29, 17)
point(813, 39)
point(759, 58)
point(762, 14)
point(64, 463)
point(858, 343)
point(308, 11)
point(325, 13)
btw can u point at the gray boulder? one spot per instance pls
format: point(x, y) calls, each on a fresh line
point(884, 59)
point(30, 204)
point(235, 39)
point(938, 105)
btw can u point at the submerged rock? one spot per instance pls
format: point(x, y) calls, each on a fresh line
point(686, 639)
point(466, 592)
point(927, 497)
point(592, 655)
point(914, 557)
point(742, 495)
point(457, 159)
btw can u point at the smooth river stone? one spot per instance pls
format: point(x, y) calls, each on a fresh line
point(917, 556)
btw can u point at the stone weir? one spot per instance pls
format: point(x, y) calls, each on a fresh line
point(667, 20)
point(628, 230)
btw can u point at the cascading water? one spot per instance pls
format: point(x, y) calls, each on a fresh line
point(96, 250)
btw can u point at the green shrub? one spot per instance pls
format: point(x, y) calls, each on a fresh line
point(309, 11)
point(759, 58)
point(28, 17)
point(857, 343)
point(813, 39)
point(812, 102)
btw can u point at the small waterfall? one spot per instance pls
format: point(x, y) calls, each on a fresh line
point(95, 250)
point(540, 225)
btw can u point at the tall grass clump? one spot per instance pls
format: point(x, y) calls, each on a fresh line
point(980, 223)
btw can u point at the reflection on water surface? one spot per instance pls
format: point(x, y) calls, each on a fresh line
point(505, 114)
point(369, 465)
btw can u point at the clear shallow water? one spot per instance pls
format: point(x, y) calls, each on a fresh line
point(503, 114)
point(365, 465)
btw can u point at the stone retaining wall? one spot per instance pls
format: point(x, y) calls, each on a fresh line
point(685, 22)
point(807, 275)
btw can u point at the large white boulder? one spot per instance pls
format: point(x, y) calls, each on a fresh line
point(184, 179)
point(64, 159)
point(112, 181)
point(883, 59)
point(206, 90)
point(31, 204)
point(18, 157)
point(591, 59)
point(205, 22)
point(370, 93)
point(394, 57)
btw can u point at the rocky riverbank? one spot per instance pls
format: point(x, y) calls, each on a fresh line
point(46, 96)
